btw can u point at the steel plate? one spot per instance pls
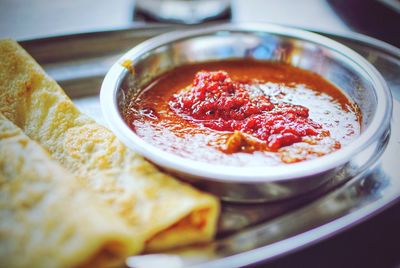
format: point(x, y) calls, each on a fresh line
point(247, 233)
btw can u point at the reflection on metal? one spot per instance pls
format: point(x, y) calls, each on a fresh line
point(333, 61)
point(266, 230)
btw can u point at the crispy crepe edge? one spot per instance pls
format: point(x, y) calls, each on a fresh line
point(19, 97)
point(99, 238)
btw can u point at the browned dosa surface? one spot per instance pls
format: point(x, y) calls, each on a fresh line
point(165, 211)
point(47, 218)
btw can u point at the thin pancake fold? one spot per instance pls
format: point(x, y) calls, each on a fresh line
point(48, 219)
point(167, 212)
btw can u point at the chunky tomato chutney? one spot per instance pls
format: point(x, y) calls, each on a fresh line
point(244, 112)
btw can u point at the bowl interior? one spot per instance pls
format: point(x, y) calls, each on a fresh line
point(333, 61)
point(331, 64)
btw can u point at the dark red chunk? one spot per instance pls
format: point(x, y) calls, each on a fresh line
point(220, 103)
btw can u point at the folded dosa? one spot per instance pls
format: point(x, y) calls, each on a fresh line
point(167, 212)
point(47, 218)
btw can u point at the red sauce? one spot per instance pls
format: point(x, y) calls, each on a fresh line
point(220, 103)
point(243, 112)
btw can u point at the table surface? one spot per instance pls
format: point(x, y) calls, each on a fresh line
point(371, 244)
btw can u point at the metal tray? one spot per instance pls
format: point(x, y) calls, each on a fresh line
point(247, 233)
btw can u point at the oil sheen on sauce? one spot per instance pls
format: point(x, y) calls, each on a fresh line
point(243, 113)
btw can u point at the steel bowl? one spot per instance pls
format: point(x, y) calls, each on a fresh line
point(335, 62)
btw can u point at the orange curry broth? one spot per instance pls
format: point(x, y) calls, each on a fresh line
point(298, 114)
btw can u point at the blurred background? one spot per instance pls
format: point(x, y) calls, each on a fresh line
point(375, 243)
point(26, 19)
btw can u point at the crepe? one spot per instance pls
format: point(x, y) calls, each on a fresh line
point(167, 212)
point(47, 218)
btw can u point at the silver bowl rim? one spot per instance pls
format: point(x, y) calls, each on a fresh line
point(377, 127)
